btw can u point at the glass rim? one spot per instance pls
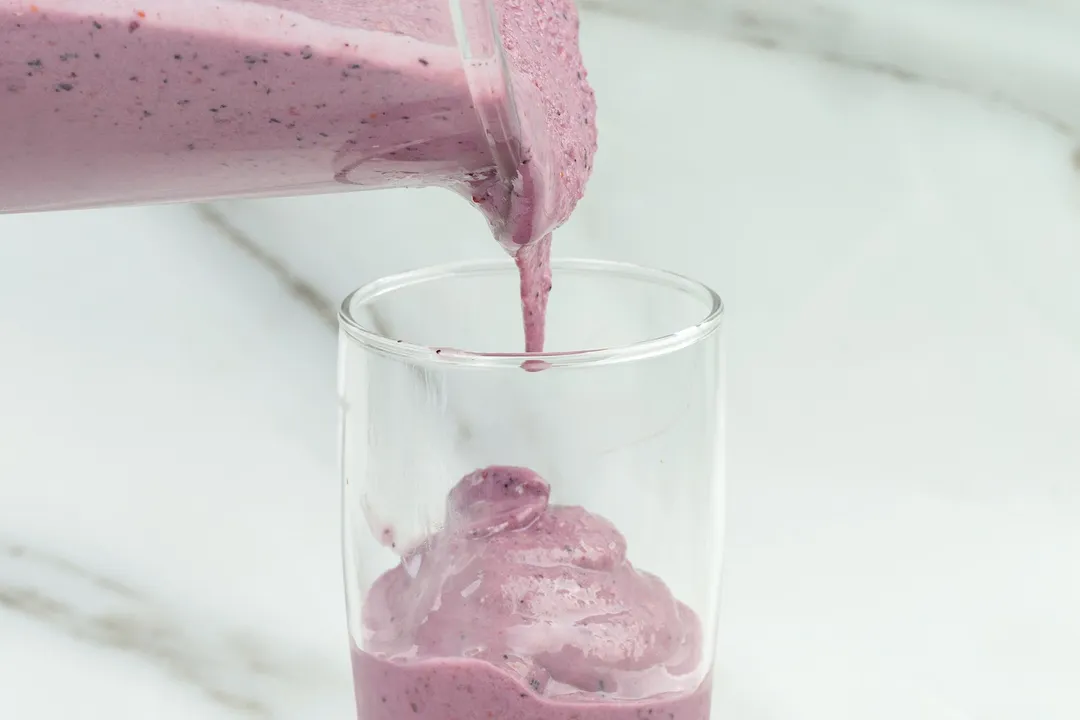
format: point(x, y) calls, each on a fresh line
point(638, 350)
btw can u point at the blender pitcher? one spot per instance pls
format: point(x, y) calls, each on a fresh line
point(107, 102)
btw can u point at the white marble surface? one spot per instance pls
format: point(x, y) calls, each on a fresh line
point(168, 499)
point(898, 260)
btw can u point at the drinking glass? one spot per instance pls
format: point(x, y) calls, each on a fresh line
point(621, 418)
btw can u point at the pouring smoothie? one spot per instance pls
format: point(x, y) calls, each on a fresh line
point(106, 102)
point(110, 102)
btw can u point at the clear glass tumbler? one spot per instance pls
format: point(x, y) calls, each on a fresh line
point(532, 536)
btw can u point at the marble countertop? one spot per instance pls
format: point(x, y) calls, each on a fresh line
point(168, 492)
point(897, 259)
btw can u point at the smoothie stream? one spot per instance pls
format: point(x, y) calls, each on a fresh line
point(106, 102)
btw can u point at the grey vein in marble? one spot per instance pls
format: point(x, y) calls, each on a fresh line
point(307, 295)
point(296, 286)
point(299, 288)
point(232, 669)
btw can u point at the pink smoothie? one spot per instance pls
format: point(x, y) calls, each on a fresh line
point(517, 609)
point(111, 101)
